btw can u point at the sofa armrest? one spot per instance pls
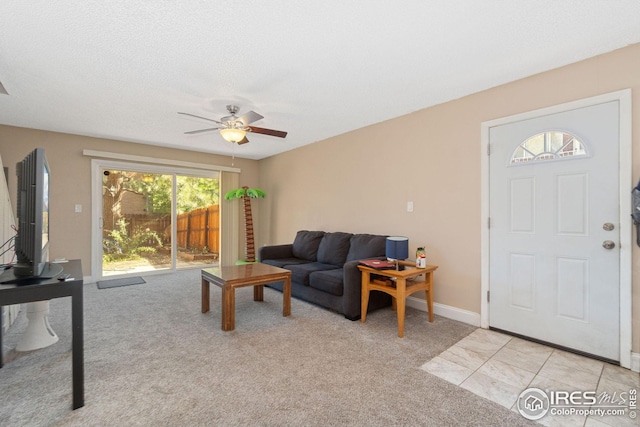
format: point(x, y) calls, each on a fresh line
point(275, 252)
point(352, 290)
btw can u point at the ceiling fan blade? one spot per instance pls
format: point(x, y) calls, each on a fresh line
point(271, 132)
point(200, 117)
point(250, 117)
point(193, 132)
point(244, 141)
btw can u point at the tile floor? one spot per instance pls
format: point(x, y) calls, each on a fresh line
point(499, 367)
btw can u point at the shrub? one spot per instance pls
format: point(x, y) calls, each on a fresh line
point(121, 246)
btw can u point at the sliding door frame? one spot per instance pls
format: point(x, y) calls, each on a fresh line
point(98, 165)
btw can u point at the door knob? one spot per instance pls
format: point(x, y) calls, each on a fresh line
point(608, 244)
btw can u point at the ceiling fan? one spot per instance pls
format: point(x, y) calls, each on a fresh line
point(233, 128)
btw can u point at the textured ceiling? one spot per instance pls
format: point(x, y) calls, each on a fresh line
point(123, 69)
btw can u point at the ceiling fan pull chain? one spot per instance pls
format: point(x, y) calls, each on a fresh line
point(233, 154)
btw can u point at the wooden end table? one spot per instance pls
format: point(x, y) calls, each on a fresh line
point(236, 276)
point(398, 289)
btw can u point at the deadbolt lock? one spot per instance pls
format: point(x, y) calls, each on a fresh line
point(608, 226)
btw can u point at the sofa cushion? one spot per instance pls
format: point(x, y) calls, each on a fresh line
point(366, 246)
point(306, 243)
point(284, 261)
point(300, 272)
point(330, 281)
point(333, 248)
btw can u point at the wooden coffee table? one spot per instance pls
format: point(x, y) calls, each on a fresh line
point(237, 276)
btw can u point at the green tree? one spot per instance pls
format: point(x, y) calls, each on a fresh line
point(246, 194)
point(156, 188)
point(192, 192)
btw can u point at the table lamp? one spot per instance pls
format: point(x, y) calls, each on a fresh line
point(397, 248)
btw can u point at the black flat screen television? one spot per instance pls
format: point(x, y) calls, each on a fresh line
point(32, 239)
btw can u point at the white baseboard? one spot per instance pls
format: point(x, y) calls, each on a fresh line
point(447, 311)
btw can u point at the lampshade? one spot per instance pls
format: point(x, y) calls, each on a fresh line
point(233, 134)
point(397, 247)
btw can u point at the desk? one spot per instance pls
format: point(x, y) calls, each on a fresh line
point(49, 289)
point(398, 289)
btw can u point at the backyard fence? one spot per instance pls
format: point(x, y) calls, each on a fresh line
point(199, 229)
point(196, 230)
point(160, 224)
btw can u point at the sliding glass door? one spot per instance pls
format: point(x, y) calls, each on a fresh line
point(197, 220)
point(136, 221)
point(153, 219)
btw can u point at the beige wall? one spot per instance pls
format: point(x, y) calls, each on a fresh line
point(361, 181)
point(71, 179)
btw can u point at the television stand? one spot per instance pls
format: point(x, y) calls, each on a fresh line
point(46, 290)
point(50, 271)
point(39, 333)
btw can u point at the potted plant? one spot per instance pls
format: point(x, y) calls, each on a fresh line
point(246, 194)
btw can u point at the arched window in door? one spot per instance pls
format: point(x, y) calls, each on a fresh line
point(552, 145)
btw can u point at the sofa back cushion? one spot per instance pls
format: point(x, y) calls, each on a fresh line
point(306, 243)
point(333, 248)
point(365, 246)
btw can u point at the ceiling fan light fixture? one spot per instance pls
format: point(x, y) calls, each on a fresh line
point(233, 134)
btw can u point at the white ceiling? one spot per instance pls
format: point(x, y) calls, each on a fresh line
point(122, 69)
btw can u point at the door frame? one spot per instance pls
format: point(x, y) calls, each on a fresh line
point(625, 187)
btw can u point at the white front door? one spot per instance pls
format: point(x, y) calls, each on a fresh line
point(554, 257)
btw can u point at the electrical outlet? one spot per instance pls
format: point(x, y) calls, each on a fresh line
point(409, 206)
point(78, 208)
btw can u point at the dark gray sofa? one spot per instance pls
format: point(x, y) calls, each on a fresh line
point(324, 268)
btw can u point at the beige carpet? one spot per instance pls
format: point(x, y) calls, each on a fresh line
point(152, 359)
